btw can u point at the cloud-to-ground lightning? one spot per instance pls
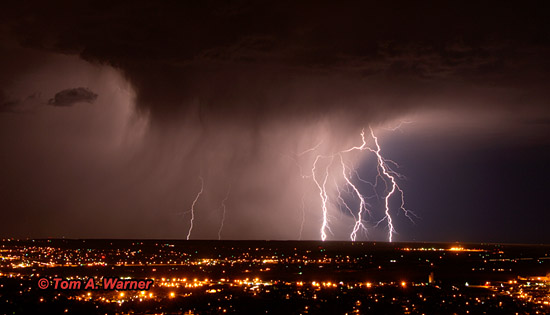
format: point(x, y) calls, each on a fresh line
point(323, 194)
point(338, 183)
point(192, 210)
point(348, 173)
point(223, 207)
point(362, 204)
point(394, 186)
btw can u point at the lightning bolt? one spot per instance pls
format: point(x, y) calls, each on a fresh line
point(390, 174)
point(385, 174)
point(223, 213)
point(192, 210)
point(310, 149)
point(362, 204)
point(323, 194)
point(398, 127)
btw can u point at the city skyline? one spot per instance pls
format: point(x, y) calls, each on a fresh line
point(279, 120)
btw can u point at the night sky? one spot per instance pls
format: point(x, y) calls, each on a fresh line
point(111, 114)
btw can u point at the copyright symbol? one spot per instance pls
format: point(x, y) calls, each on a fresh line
point(43, 283)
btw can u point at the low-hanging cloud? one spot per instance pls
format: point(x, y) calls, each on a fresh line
point(69, 97)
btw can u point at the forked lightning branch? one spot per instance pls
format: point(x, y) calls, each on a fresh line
point(335, 168)
point(347, 174)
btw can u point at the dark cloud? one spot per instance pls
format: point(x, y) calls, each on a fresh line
point(255, 60)
point(69, 97)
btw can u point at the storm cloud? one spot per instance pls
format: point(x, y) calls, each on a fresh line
point(279, 58)
point(69, 97)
